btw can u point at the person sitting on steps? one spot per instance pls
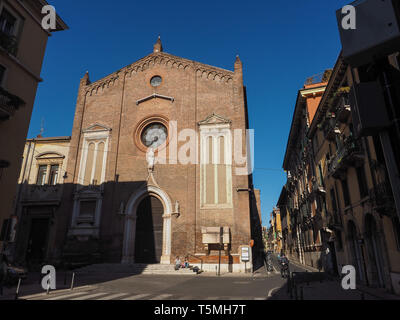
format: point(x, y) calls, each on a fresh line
point(177, 263)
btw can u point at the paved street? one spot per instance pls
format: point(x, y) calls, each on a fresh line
point(261, 285)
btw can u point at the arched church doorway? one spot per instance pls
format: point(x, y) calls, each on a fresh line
point(149, 231)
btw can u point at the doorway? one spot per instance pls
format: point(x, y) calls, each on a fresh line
point(149, 231)
point(374, 252)
point(37, 242)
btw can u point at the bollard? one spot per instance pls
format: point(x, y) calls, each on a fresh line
point(17, 292)
point(72, 281)
point(48, 286)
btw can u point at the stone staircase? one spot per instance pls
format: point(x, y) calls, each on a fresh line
point(134, 269)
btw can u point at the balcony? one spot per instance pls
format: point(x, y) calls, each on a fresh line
point(9, 43)
point(9, 103)
point(333, 220)
point(349, 155)
point(46, 193)
point(343, 111)
point(382, 199)
point(317, 188)
point(330, 127)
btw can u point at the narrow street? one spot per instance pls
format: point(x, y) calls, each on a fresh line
point(261, 285)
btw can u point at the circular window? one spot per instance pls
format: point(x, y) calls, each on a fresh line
point(156, 81)
point(154, 135)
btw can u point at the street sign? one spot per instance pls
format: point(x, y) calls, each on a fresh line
point(245, 254)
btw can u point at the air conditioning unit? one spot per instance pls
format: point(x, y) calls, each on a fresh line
point(376, 33)
point(368, 109)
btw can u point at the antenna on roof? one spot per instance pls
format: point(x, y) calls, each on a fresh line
point(41, 129)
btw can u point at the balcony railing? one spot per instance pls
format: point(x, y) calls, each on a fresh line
point(317, 188)
point(330, 127)
point(349, 154)
point(8, 43)
point(9, 103)
point(382, 199)
point(333, 220)
point(35, 193)
point(343, 109)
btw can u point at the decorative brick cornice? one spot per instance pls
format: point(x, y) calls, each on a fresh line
point(202, 70)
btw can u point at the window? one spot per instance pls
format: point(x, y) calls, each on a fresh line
point(362, 182)
point(53, 179)
point(156, 81)
point(5, 230)
point(2, 74)
point(216, 168)
point(321, 177)
point(396, 230)
point(87, 209)
point(8, 23)
point(94, 163)
point(42, 173)
point(346, 193)
point(333, 200)
point(339, 240)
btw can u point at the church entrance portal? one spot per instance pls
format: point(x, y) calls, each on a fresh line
point(149, 231)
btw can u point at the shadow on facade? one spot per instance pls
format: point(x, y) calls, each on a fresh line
point(72, 226)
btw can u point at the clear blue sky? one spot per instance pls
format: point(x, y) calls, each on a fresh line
point(280, 44)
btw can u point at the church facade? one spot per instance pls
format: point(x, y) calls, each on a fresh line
point(158, 167)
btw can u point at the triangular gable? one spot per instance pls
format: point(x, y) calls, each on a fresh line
point(97, 128)
point(215, 119)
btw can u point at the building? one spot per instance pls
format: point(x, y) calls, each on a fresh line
point(305, 244)
point(339, 196)
point(39, 193)
point(276, 230)
point(282, 205)
point(152, 172)
point(22, 48)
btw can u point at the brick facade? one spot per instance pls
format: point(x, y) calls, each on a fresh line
point(115, 106)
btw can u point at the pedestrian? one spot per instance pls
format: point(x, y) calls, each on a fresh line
point(177, 263)
point(186, 262)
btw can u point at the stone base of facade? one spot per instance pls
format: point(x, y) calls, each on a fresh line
point(225, 268)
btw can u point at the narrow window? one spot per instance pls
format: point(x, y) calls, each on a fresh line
point(2, 74)
point(222, 196)
point(333, 200)
point(346, 193)
point(89, 165)
point(210, 174)
point(99, 163)
point(362, 182)
point(53, 179)
point(41, 178)
point(7, 23)
point(87, 209)
point(396, 230)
